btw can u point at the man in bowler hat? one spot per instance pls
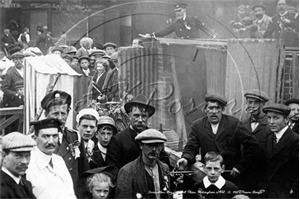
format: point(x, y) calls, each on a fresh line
point(16, 157)
point(185, 27)
point(282, 153)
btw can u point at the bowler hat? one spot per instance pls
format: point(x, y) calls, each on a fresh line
point(277, 108)
point(16, 141)
point(214, 98)
point(109, 44)
point(17, 55)
point(292, 101)
point(87, 111)
point(97, 52)
point(56, 98)
point(111, 171)
point(46, 124)
point(107, 120)
point(257, 94)
point(151, 136)
point(140, 100)
point(81, 58)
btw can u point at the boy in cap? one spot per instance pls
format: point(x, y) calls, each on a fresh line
point(283, 153)
point(221, 133)
point(47, 171)
point(84, 63)
point(87, 126)
point(106, 129)
point(110, 48)
point(213, 184)
point(57, 105)
point(294, 114)
point(185, 27)
point(146, 176)
point(16, 157)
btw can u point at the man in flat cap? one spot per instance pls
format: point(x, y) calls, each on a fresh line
point(16, 157)
point(47, 171)
point(146, 176)
point(110, 48)
point(57, 105)
point(185, 27)
point(221, 133)
point(282, 153)
point(294, 114)
point(261, 19)
point(257, 123)
point(87, 126)
point(123, 148)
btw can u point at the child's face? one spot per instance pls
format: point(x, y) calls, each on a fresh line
point(213, 170)
point(84, 64)
point(100, 190)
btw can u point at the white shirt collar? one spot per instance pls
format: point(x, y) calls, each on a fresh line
point(102, 148)
point(16, 179)
point(280, 133)
point(42, 159)
point(184, 17)
point(283, 13)
point(215, 127)
point(220, 182)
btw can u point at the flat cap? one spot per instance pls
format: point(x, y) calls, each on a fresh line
point(82, 58)
point(259, 6)
point(46, 124)
point(292, 101)
point(19, 84)
point(257, 94)
point(16, 141)
point(107, 120)
point(87, 111)
point(17, 55)
point(151, 136)
point(140, 100)
point(180, 5)
point(215, 98)
point(109, 44)
point(277, 108)
point(98, 52)
point(56, 98)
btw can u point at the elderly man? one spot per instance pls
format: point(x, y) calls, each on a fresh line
point(283, 153)
point(106, 130)
point(261, 19)
point(221, 133)
point(47, 171)
point(16, 157)
point(294, 114)
point(146, 176)
point(255, 176)
point(57, 105)
point(123, 148)
point(185, 27)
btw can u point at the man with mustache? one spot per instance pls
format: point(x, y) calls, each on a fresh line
point(57, 105)
point(283, 153)
point(16, 157)
point(294, 115)
point(185, 27)
point(47, 171)
point(284, 25)
point(146, 176)
point(261, 19)
point(221, 133)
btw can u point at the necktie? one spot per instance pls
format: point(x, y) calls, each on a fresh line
point(274, 141)
point(50, 163)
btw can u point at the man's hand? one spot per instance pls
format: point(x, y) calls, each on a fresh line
point(234, 172)
point(146, 36)
point(181, 164)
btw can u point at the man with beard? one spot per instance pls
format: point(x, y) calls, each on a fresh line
point(185, 27)
point(284, 25)
point(16, 157)
point(47, 171)
point(57, 105)
point(123, 148)
point(146, 176)
point(262, 20)
point(221, 133)
point(283, 153)
point(294, 114)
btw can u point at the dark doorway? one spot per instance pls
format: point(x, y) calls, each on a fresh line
point(13, 22)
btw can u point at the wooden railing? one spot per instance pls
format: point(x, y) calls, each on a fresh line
point(10, 115)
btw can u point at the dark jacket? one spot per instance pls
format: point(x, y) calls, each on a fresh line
point(75, 166)
point(10, 189)
point(133, 179)
point(282, 165)
point(7, 40)
point(98, 83)
point(187, 29)
point(97, 158)
point(8, 87)
point(41, 43)
point(229, 139)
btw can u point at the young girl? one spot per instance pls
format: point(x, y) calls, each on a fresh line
point(100, 185)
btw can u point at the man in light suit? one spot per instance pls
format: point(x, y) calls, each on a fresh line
point(282, 153)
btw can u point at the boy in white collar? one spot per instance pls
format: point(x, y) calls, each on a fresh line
point(214, 185)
